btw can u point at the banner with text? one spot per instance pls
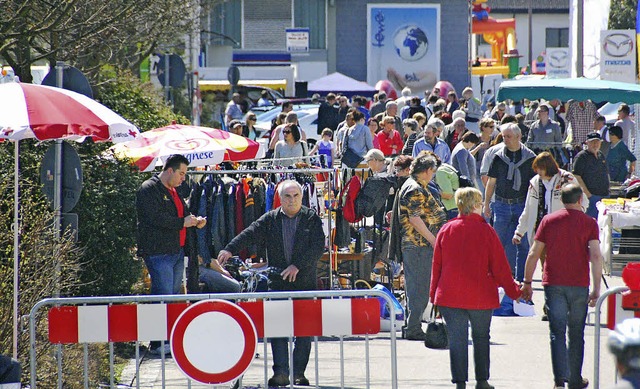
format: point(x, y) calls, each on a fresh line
point(618, 55)
point(403, 45)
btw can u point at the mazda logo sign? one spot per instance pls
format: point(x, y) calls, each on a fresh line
point(558, 59)
point(618, 45)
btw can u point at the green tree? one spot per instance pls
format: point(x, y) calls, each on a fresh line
point(89, 33)
point(40, 255)
point(102, 262)
point(106, 210)
point(622, 15)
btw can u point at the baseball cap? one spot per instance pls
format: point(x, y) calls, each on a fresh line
point(235, 123)
point(374, 154)
point(593, 135)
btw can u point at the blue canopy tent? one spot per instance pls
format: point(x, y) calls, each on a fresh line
point(339, 83)
point(569, 88)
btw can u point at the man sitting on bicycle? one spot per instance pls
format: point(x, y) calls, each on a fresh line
point(294, 241)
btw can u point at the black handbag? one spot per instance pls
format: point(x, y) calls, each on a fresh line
point(349, 157)
point(436, 334)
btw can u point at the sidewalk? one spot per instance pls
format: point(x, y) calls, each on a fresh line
point(519, 352)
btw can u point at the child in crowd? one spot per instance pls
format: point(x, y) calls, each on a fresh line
point(325, 147)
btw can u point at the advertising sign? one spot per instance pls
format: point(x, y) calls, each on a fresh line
point(297, 40)
point(618, 55)
point(558, 62)
point(403, 45)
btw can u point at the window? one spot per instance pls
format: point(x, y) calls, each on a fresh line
point(312, 14)
point(557, 37)
point(225, 24)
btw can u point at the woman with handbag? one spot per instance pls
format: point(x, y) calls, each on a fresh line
point(469, 264)
point(357, 141)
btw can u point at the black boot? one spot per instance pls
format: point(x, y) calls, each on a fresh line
point(484, 385)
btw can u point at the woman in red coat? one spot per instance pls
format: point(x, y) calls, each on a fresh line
point(469, 264)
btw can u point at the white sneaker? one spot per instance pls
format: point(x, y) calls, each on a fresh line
point(165, 349)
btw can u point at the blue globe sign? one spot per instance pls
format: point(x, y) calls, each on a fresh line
point(411, 42)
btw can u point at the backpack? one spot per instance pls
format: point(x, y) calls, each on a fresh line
point(373, 196)
point(464, 181)
point(348, 197)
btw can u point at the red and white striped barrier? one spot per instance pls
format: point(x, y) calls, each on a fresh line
point(272, 318)
point(615, 313)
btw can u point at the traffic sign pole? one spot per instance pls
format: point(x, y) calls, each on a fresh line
point(57, 188)
point(166, 77)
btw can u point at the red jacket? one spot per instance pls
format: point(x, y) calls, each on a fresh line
point(387, 141)
point(469, 264)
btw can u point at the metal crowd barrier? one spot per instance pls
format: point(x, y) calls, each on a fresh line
point(596, 348)
point(346, 313)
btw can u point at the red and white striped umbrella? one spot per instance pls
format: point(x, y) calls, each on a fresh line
point(200, 145)
point(43, 112)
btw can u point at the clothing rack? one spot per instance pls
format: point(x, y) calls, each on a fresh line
point(261, 171)
point(365, 173)
point(304, 157)
point(549, 144)
point(282, 171)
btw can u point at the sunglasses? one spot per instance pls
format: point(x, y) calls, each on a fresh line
point(286, 132)
point(253, 119)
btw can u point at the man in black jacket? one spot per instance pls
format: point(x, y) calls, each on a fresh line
point(328, 114)
point(163, 219)
point(294, 241)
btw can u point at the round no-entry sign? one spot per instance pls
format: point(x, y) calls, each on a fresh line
point(213, 341)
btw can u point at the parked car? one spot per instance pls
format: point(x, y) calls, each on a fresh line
point(307, 118)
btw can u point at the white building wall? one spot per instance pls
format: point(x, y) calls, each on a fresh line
point(540, 23)
point(309, 71)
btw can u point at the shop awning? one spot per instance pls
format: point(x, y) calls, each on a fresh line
point(223, 85)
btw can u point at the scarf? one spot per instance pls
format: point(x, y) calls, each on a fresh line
point(514, 172)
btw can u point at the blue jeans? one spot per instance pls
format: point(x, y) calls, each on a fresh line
point(217, 282)
point(417, 275)
point(567, 307)
point(166, 272)
point(280, 351)
point(505, 222)
point(592, 210)
point(458, 332)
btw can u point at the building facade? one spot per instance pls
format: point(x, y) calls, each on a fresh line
point(549, 24)
point(342, 38)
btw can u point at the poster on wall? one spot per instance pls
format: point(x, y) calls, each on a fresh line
point(618, 55)
point(297, 40)
point(403, 45)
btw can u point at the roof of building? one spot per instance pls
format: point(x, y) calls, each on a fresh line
point(537, 6)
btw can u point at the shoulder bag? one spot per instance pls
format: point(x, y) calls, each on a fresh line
point(436, 334)
point(349, 157)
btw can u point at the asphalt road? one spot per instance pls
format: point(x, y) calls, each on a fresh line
point(520, 358)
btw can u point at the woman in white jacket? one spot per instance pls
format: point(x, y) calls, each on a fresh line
point(543, 196)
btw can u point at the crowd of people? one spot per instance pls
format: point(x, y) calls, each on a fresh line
point(482, 193)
